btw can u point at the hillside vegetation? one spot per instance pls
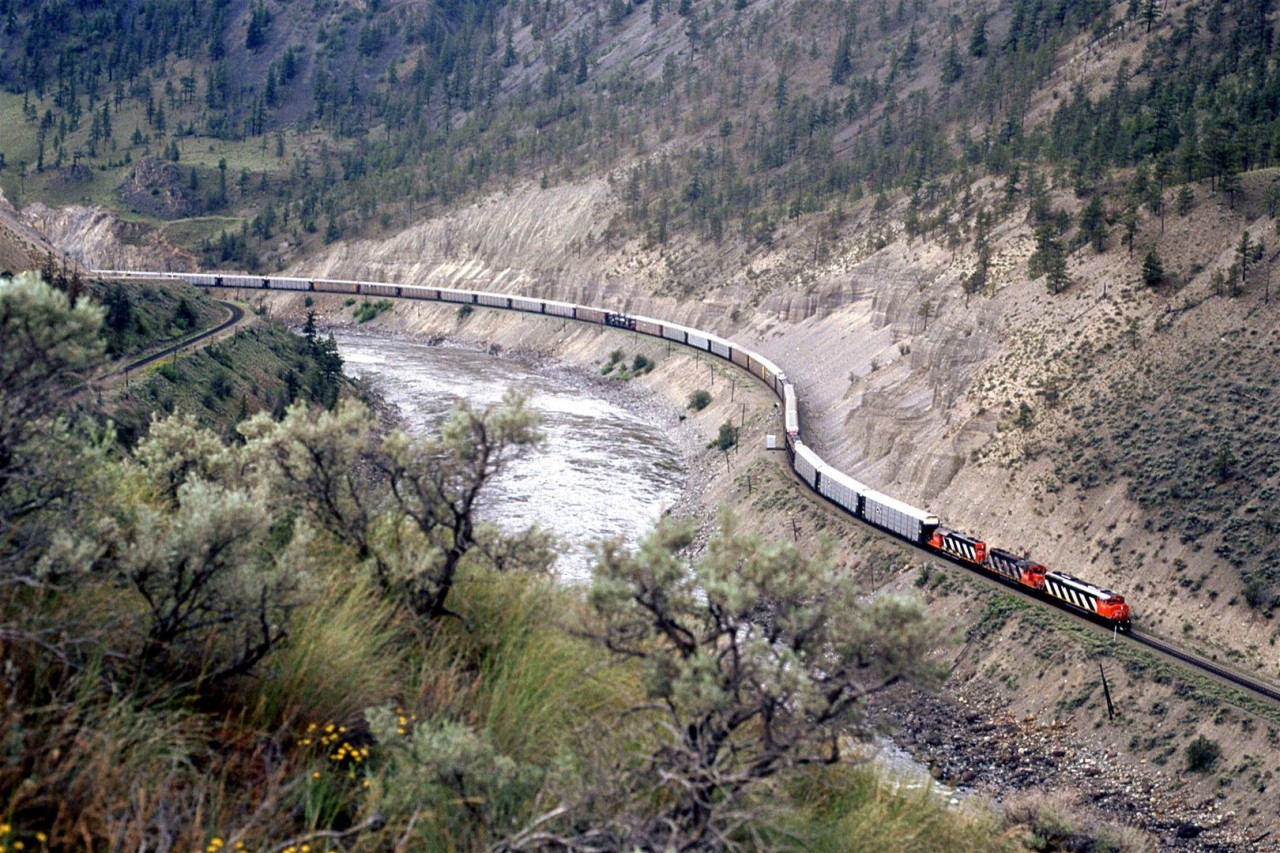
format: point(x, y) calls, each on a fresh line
point(268, 127)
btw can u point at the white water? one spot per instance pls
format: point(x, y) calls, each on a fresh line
point(605, 471)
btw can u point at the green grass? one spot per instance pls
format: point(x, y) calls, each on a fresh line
point(539, 682)
point(190, 233)
point(220, 384)
point(346, 653)
point(850, 808)
point(18, 147)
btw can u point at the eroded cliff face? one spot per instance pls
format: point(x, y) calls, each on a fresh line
point(22, 246)
point(99, 239)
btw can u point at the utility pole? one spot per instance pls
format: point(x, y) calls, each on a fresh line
point(1106, 691)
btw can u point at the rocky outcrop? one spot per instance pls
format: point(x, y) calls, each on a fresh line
point(155, 187)
point(22, 247)
point(98, 239)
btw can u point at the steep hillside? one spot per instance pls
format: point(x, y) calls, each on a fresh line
point(22, 247)
point(1018, 262)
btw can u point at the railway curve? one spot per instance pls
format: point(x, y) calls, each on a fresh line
point(918, 527)
point(234, 315)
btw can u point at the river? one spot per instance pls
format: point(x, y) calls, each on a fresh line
point(606, 470)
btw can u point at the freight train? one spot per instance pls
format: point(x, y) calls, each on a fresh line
point(920, 527)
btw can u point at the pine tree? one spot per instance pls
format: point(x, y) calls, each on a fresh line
point(978, 40)
point(1093, 224)
point(952, 69)
point(1152, 269)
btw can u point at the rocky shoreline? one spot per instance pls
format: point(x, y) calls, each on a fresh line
point(966, 738)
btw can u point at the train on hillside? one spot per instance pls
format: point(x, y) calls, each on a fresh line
point(920, 527)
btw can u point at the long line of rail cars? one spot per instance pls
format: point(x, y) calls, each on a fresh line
point(915, 525)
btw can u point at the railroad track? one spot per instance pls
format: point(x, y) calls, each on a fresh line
point(235, 315)
point(1252, 685)
point(1258, 688)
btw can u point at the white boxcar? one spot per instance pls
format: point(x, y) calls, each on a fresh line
point(560, 309)
point(520, 303)
point(290, 284)
point(791, 414)
point(719, 346)
point(241, 281)
point(493, 300)
point(808, 465)
point(897, 517)
point(672, 332)
point(695, 338)
point(842, 489)
point(455, 295)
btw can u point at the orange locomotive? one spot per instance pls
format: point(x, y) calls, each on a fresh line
point(1064, 588)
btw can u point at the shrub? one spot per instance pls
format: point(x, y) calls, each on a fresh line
point(641, 364)
point(727, 437)
point(1255, 592)
point(699, 400)
point(1202, 754)
point(368, 310)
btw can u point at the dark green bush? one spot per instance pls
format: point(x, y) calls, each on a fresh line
point(1202, 754)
